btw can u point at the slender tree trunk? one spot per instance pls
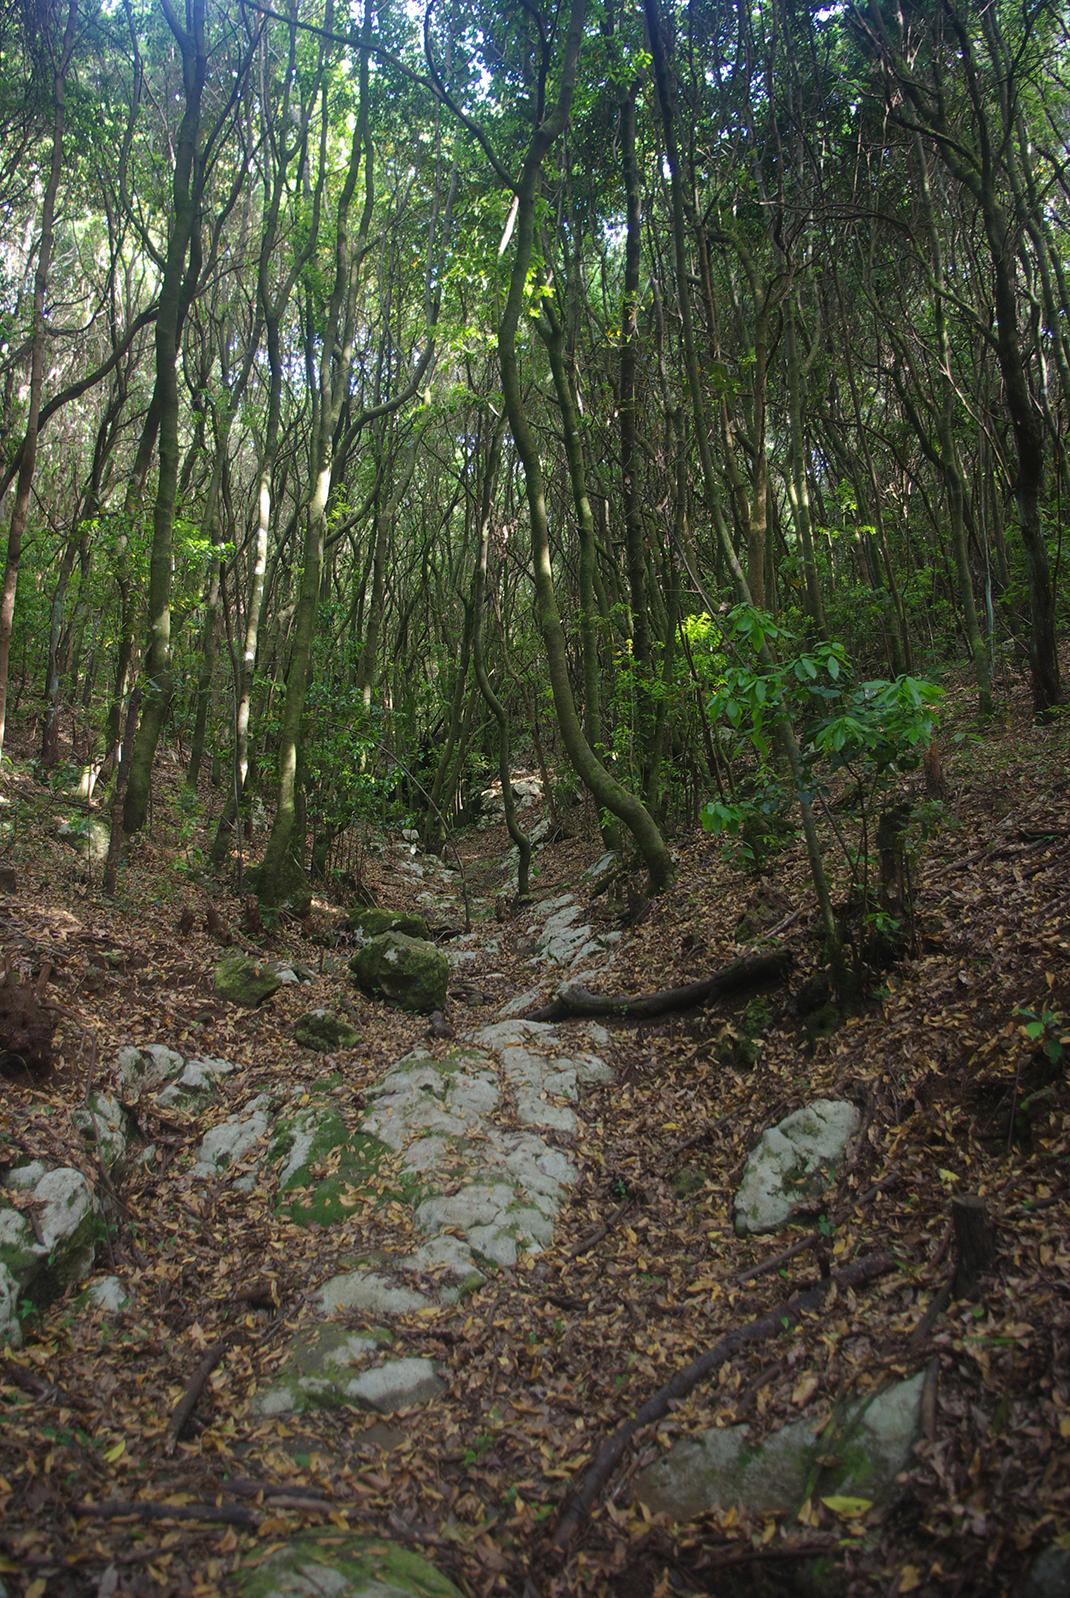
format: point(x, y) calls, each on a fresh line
point(186, 190)
point(497, 709)
point(606, 791)
point(785, 730)
point(38, 338)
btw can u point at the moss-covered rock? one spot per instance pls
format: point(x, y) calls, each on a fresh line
point(38, 1267)
point(315, 1135)
point(860, 1453)
point(409, 972)
point(325, 1032)
point(105, 1126)
point(245, 981)
point(371, 922)
point(346, 1567)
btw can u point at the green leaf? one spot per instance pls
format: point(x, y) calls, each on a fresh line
point(849, 1508)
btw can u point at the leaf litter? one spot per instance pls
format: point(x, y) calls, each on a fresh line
point(645, 1271)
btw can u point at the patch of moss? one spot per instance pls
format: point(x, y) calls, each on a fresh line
point(324, 1130)
point(370, 922)
point(688, 1181)
point(324, 1202)
point(368, 1565)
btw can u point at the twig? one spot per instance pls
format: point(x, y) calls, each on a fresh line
point(150, 1509)
point(776, 1261)
point(588, 1242)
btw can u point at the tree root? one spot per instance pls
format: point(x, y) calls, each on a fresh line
point(581, 1499)
point(750, 972)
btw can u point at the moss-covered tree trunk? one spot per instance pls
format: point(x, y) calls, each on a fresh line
point(606, 791)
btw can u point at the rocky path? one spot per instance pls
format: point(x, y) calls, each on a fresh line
point(387, 1215)
point(347, 1301)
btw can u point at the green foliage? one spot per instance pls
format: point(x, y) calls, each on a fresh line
point(1048, 1029)
point(871, 731)
point(884, 725)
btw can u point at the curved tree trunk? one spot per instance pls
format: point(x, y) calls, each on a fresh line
point(606, 791)
point(28, 459)
point(187, 185)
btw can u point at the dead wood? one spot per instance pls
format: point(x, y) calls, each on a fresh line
point(587, 1242)
point(974, 1234)
point(150, 1509)
point(183, 1411)
point(581, 1499)
point(737, 977)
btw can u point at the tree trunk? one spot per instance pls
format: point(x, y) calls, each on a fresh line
point(156, 696)
point(606, 791)
point(28, 460)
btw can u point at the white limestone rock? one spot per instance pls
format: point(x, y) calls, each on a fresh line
point(10, 1329)
point(370, 1292)
point(396, 1384)
point(108, 1293)
point(227, 1144)
point(104, 1124)
point(793, 1162)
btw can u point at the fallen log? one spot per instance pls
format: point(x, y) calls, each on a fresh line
point(750, 972)
point(183, 1411)
point(782, 1317)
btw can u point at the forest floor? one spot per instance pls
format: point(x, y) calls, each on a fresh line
point(645, 1271)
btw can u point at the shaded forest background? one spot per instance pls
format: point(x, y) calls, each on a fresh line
point(667, 390)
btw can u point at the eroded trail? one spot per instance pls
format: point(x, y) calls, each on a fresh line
point(322, 1296)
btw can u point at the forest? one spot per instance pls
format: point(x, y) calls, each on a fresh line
point(534, 776)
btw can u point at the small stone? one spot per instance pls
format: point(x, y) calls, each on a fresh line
point(10, 1329)
point(195, 1085)
point(104, 1125)
point(398, 1384)
point(522, 1002)
point(449, 1255)
point(318, 1369)
point(875, 1440)
point(108, 1293)
point(793, 1162)
point(23, 1178)
point(141, 1070)
point(245, 981)
point(229, 1142)
point(65, 1202)
point(325, 1032)
point(89, 835)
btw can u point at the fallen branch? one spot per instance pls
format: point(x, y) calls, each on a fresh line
point(183, 1411)
point(587, 1242)
point(749, 972)
point(151, 1509)
point(782, 1317)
